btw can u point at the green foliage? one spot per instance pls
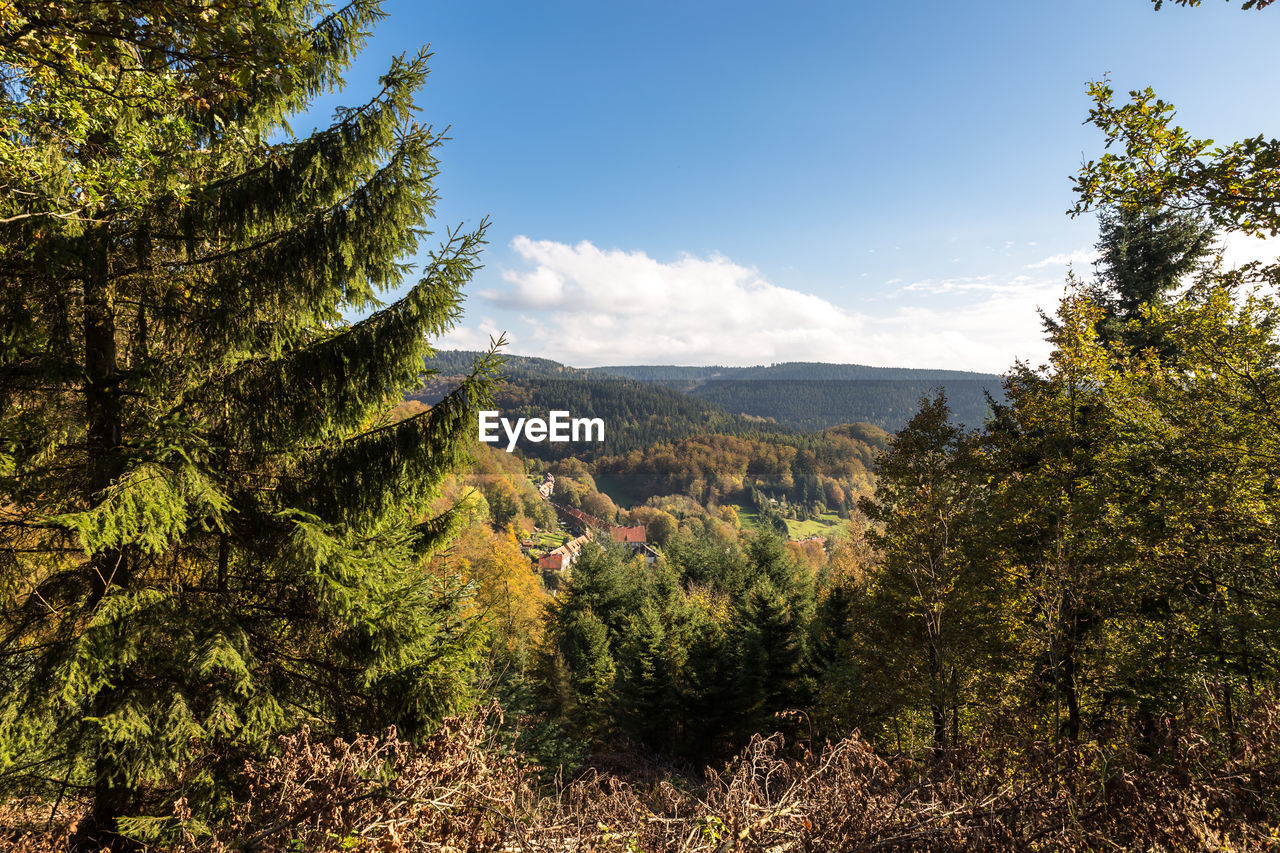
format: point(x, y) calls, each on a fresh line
point(717, 469)
point(1157, 163)
point(930, 593)
point(690, 656)
point(211, 529)
point(1146, 255)
point(814, 404)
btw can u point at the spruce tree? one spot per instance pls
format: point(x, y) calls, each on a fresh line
point(645, 683)
point(1145, 253)
point(211, 532)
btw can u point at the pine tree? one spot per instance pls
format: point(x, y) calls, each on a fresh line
point(1145, 254)
point(583, 642)
point(709, 703)
point(775, 615)
point(211, 531)
point(645, 689)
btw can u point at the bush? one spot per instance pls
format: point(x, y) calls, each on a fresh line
point(460, 791)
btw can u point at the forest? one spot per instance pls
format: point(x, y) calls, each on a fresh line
point(814, 404)
point(638, 415)
point(782, 398)
point(262, 590)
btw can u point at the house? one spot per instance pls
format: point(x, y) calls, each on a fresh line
point(547, 486)
point(633, 535)
point(578, 519)
point(562, 558)
point(635, 540)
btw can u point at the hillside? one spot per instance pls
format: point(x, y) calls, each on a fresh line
point(665, 402)
point(637, 415)
point(808, 370)
point(814, 396)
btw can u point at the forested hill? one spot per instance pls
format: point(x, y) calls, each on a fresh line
point(638, 415)
point(808, 396)
point(458, 362)
point(790, 370)
point(816, 404)
point(814, 396)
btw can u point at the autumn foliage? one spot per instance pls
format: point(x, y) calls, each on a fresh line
point(460, 790)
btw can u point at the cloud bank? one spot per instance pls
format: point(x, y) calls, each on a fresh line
point(1079, 256)
point(588, 306)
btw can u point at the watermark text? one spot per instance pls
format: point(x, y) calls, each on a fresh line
point(557, 428)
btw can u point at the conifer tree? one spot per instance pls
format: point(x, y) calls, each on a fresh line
point(708, 700)
point(1146, 253)
point(584, 644)
point(774, 659)
point(775, 613)
point(210, 531)
point(645, 688)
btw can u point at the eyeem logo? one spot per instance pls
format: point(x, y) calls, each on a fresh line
point(558, 428)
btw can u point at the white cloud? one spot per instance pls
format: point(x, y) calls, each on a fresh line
point(1239, 249)
point(1079, 256)
point(973, 284)
point(588, 306)
point(477, 337)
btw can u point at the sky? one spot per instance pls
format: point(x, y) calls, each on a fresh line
point(737, 183)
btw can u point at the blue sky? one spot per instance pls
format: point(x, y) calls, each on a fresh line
point(751, 182)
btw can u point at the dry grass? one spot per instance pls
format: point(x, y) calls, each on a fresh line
point(460, 792)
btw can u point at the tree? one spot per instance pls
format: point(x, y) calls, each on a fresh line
point(586, 626)
point(510, 598)
point(1192, 473)
point(584, 644)
point(775, 611)
point(1247, 4)
point(599, 505)
point(1157, 163)
point(923, 511)
point(211, 529)
point(645, 686)
point(1146, 253)
point(1197, 427)
point(504, 502)
point(773, 663)
point(1048, 510)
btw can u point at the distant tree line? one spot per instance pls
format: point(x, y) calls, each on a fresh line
point(816, 404)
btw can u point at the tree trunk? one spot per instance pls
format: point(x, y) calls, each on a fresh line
point(1071, 693)
point(107, 568)
point(937, 698)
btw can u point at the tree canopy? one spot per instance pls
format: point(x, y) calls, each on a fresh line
point(211, 529)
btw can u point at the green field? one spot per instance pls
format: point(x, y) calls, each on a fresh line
point(822, 526)
point(748, 518)
point(825, 524)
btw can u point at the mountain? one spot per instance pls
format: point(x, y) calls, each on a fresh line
point(813, 395)
point(637, 415)
point(644, 404)
point(807, 370)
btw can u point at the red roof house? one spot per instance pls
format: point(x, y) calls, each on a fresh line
point(633, 535)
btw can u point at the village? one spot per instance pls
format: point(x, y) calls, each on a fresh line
point(583, 527)
point(552, 553)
